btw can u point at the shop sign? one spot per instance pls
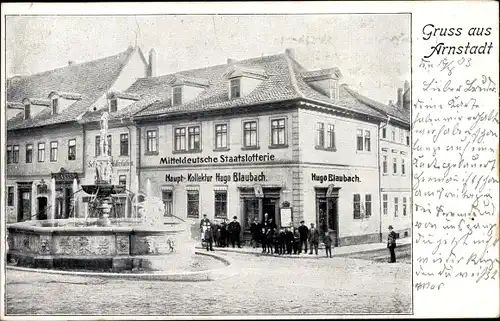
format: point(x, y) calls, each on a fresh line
point(114, 163)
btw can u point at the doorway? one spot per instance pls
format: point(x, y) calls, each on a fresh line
point(269, 207)
point(327, 218)
point(41, 208)
point(24, 204)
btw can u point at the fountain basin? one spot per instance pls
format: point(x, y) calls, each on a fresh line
point(103, 190)
point(72, 243)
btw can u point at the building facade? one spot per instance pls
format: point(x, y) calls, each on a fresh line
point(248, 138)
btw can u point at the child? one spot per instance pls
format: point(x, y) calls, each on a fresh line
point(327, 240)
point(263, 241)
point(209, 238)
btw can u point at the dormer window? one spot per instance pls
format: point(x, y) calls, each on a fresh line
point(55, 106)
point(235, 88)
point(113, 105)
point(177, 95)
point(334, 89)
point(27, 111)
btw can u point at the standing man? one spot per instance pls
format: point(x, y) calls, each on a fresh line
point(313, 239)
point(209, 238)
point(255, 230)
point(391, 244)
point(303, 232)
point(204, 223)
point(235, 230)
point(223, 233)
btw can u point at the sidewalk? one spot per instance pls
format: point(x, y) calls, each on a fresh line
point(337, 251)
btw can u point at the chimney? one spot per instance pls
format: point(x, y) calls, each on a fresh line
point(407, 85)
point(71, 62)
point(400, 97)
point(290, 52)
point(152, 63)
point(231, 61)
point(390, 102)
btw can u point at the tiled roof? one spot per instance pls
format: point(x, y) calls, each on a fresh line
point(391, 110)
point(66, 95)
point(13, 104)
point(179, 79)
point(122, 95)
point(90, 80)
point(284, 81)
point(321, 73)
point(39, 101)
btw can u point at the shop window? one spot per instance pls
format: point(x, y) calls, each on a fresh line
point(168, 202)
point(221, 136)
point(123, 144)
point(385, 204)
point(357, 206)
point(29, 153)
point(10, 196)
point(53, 151)
point(9, 154)
point(250, 134)
point(368, 205)
point(15, 154)
point(396, 207)
point(194, 139)
point(193, 204)
point(278, 132)
point(72, 149)
point(221, 204)
point(180, 139)
point(152, 141)
point(41, 152)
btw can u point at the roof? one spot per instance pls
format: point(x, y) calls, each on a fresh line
point(89, 79)
point(390, 110)
point(284, 81)
point(330, 72)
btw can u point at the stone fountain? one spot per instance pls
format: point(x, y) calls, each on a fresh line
point(98, 242)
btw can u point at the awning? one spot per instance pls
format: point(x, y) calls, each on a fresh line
point(167, 188)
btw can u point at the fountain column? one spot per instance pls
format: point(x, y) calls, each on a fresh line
point(136, 193)
point(53, 198)
point(75, 189)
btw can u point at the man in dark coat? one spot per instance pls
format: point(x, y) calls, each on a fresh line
point(255, 230)
point(218, 235)
point(282, 242)
point(224, 235)
point(209, 238)
point(313, 239)
point(288, 241)
point(391, 244)
point(235, 230)
point(263, 239)
point(296, 241)
point(203, 225)
point(304, 234)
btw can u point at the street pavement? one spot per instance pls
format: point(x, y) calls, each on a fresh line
point(262, 285)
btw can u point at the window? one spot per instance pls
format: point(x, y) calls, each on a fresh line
point(235, 88)
point(220, 203)
point(357, 206)
point(123, 144)
point(53, 151)
point(113, 105)
point(250, 134)
point(109, 145)
point(396, 207)
point(384, 132)
point(10, 196)
point(180, 139)
point(177, 95)
point(334, 94)
point(72, 149)
point(401, 136)
point(331, 137)
point(9, 154)
point(368, 205)
point(408, 138)
point(168, 202)
point(393, 135)
point(15, 154)
point(55, 106)
point(394, 165)
point(278, 132)
point(403, 169)
point(152, 141)
point(384, 164)
point(122, 180)
point(220, 136)
point(385, 204)
point(404, 206)
point(320, 134)
point(97, 145)
point(29, 153)
point(193, 203)
point(41, 152)
point(27, 111)
point(194, 138)
point(363, 140)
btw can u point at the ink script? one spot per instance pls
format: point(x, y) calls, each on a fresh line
point(455, 166)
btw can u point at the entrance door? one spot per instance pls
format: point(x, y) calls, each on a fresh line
point(42, 208)
point(24, 206)
point(269, 207)
point(250, 212)
point(327, 218)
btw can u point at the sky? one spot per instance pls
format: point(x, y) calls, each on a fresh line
point(372, 51)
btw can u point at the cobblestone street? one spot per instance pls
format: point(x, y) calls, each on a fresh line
point(263, 285)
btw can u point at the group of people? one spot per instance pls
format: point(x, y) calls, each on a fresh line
point(288, 240)
point(222, 234)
